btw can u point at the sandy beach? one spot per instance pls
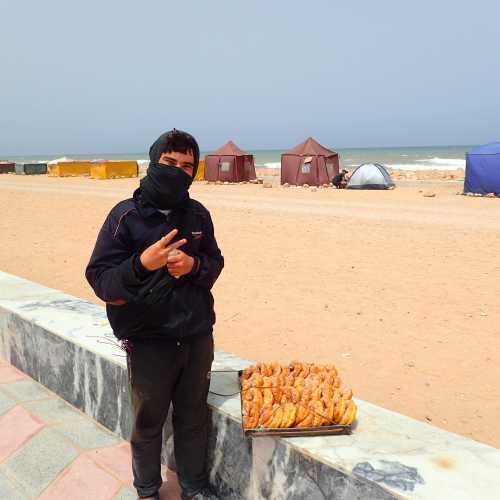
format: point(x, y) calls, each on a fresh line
point(273, 174)
point(398, 289)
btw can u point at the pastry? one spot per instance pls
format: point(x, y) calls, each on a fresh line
point(297, 395)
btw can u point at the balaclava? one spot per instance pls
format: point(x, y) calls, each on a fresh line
point(165, 186)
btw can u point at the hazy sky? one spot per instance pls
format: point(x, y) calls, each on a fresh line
point(109, 76)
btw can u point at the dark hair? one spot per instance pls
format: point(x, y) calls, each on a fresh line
point(178, 141)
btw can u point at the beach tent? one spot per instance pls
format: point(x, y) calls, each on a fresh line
point(229, 163)
point(370, 176)
point(482, 169)
point(309, 163)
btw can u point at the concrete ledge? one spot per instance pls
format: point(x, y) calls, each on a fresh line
point(66, 344)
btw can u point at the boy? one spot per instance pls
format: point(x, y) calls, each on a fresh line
point(154, 264)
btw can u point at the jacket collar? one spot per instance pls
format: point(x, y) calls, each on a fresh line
point(148, 210)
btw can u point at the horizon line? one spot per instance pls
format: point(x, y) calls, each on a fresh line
point(430, 146)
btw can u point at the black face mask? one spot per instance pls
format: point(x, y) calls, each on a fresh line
point(165, 186)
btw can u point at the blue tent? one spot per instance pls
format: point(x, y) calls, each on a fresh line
point(482, 169)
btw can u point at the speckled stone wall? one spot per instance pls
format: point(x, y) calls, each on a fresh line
point(66, 344)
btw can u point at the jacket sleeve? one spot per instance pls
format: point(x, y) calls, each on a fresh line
point(114, 271)
point(210, 257)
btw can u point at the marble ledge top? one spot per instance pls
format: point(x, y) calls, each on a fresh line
point(412, 459)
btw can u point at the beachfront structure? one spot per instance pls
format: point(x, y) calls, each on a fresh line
point(200, 173)
point(229, 163)
point(309, 163)
point(69, 168)
point(109, 169)
point(370, 176)
point(482, 169)
point(6, 167)
point(31, 168)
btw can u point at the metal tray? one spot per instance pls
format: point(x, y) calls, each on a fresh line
point(325, 430)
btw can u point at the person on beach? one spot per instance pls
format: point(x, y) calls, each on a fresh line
point(341, 179)
point(154, 264)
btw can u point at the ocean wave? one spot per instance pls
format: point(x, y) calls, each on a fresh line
point(142, 164)
point(457, 162)
point(428, 164)
point(425, 166)
point(269, 164)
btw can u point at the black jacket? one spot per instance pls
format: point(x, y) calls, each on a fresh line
point(156, 304)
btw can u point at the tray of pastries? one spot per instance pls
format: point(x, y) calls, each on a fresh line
point(299, 399)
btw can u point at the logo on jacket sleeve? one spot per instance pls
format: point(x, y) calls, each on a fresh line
point(196, 235)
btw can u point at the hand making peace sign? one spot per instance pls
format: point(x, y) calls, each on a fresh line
point(162, 253)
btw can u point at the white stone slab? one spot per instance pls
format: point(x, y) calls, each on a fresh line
point(410, 459)
point(79, 321)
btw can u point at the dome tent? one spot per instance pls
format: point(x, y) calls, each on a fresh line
point(482, 169)
point(370, 176)
point(309, 163)
point(229, 163)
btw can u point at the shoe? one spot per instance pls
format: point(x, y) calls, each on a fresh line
point(206, 493)
point(156, 496)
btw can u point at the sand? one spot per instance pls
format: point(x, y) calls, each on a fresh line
point(399, 290)
point(397, 175)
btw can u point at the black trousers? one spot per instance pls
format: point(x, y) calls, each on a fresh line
point(160, 372)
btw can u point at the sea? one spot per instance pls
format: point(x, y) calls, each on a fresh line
point(397, 158)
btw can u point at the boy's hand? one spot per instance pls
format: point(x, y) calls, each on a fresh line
point(179, 263)
point(155, 256)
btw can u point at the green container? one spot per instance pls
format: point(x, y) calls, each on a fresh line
point(31, 168)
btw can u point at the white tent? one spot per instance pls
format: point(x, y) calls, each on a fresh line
point(370, 176)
